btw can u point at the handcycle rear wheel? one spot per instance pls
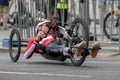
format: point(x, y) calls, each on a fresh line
point(14, 45)
point(79, 32)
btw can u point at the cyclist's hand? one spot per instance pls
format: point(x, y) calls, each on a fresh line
point(40, 35)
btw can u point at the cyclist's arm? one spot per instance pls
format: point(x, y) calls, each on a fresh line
point(32, 45)
point(31, 48)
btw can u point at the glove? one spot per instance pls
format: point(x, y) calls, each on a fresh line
point(40, 35)
point(41, 47)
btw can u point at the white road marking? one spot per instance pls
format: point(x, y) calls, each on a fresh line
point(104, 62)
point(113, 58)
point(46, 74)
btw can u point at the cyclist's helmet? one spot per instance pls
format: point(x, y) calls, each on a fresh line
point(41, 23)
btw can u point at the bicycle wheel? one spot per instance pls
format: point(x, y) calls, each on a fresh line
point(14, 45)
point(79, 32)
point(111, 26)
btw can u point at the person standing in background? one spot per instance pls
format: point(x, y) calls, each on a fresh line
point(62, 7)
point(4, 12)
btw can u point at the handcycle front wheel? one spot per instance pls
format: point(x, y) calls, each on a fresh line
point(14, 45)
point(79, 32)
point(111, 26)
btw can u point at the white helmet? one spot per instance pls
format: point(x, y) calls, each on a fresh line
point(40, 23)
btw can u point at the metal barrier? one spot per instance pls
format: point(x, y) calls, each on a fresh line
point(105, 8)
point(29, 12)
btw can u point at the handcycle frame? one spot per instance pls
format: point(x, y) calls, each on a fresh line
point(71, 37)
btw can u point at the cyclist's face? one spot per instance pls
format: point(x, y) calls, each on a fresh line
point(45, 28)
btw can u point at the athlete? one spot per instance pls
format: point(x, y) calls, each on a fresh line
point(46, 42)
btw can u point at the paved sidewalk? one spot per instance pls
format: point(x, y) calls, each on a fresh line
point(108, 49)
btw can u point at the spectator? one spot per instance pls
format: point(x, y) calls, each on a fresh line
point(62, 7)
point(4, 12)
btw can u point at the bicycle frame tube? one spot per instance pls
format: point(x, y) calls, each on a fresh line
point(64, 33)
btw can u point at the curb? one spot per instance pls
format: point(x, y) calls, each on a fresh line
point(3, 49)
point(108, 55)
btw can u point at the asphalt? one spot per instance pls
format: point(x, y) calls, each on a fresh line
point(108, 48)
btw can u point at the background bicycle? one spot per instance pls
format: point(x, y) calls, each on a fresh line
point(111, 26)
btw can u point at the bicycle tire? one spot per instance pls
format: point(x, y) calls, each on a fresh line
point(114, 36)
point(80, 23)
point(14, 45)
point(84, 35)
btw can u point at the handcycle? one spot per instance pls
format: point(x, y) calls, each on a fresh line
point(111, 26)
point(77, 32)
